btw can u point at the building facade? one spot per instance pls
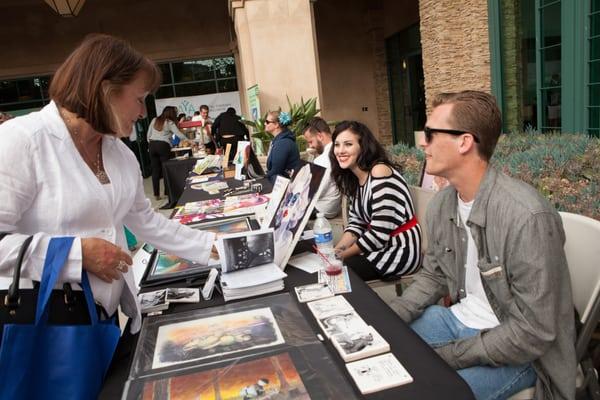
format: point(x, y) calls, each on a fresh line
point(377, 61)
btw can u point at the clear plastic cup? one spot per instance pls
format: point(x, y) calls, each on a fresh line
point(334, 266)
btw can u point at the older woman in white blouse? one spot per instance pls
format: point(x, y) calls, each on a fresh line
point(64, 171)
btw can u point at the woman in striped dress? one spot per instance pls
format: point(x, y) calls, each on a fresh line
point(383, 237)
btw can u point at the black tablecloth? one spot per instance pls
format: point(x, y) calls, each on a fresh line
point(174, 174)
point(433, 378)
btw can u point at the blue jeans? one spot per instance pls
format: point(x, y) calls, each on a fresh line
point(438, 327)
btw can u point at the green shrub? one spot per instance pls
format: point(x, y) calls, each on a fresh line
point(563, 167)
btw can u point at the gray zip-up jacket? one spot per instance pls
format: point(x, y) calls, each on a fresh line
point(519, 238)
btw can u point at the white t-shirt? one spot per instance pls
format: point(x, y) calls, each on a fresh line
point(329, 203)
point(474, 310)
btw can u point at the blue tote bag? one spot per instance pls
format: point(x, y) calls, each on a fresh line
point(43, 361)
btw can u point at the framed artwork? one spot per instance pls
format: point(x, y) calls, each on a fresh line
point(183, 340)
point(166, 268)
point(294, 210)
point(241, 251)
point(301, 373)
point(215, 336)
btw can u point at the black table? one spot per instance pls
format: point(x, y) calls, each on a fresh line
point(174, 174)
point(433, 378)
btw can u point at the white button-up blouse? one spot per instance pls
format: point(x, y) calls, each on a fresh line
point(46, 189)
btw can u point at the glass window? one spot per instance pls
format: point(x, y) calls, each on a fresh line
point(8, 92)
point(550, 21)
point(194, 89)
point(227, 85)
point(164, 92)
point(29, 89)
point(166, 73)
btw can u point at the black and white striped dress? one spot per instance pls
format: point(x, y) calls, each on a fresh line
point(379, 207)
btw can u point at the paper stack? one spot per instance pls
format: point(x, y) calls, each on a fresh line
point(247, 267)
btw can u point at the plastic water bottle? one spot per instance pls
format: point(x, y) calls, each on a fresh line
point(323, 234)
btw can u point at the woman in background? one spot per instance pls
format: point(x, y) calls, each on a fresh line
point(160, 131)
point(383, 237)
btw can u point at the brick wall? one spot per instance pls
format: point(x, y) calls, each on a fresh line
point(455, 43)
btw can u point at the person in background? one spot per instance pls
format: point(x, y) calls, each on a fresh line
point(181, 117)
point(204, 133)
point(284, 156)
point(72, 176)
point(383, 237)
point(318, 137)
point(159, 135)
point(496, 248)
point(228, 129)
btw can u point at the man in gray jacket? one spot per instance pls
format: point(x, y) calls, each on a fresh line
point(496, 249)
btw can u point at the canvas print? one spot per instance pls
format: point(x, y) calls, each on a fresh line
point(244, 251)
point(273, 377)
point(215, 336)
point(294, 210)
point(166, 266)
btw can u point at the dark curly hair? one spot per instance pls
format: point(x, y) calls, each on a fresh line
point(371, 153)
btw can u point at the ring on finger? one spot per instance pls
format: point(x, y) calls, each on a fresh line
point(122, 266)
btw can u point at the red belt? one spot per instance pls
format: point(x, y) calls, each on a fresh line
point(402, 228)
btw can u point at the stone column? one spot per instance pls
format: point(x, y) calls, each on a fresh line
point(277, 50)
point(380, 72)
point(455, 33)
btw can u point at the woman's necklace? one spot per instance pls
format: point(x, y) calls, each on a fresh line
point(96, 163)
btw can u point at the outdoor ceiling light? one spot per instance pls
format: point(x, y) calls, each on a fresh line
point(66, 8)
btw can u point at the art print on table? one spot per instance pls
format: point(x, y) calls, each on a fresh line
point(215, 336)
point(274, 377)
point(294, 210)
point(166, 266)
point(244, 204)
point(223, 227)
point(197, 211)
point(244, 251)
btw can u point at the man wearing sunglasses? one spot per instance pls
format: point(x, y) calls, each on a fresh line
point(496, 250)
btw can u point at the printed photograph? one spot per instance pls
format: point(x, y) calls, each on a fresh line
point(272, 377)
point(341, 322)
point(183, 295)
point(253, 249)
point(329, 306)
point(313, 291)
point(215, 336)
point(153, 299)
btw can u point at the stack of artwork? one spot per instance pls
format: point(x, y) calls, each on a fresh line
point(198, 211)
point(356, 341)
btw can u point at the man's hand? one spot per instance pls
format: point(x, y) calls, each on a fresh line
point(104, 259)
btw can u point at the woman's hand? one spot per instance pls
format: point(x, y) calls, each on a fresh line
point(104, 259)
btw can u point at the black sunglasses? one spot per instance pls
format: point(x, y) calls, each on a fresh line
point(269, 122)
point(430, 131)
